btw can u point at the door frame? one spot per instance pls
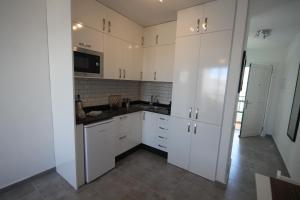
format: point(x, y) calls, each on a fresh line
point(268, 97)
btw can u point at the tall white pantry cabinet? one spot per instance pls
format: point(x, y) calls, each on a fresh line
point(203, 46)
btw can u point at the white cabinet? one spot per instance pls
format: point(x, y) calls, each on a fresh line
point(212, 76)
point(149, 61)
point(155, 130)
point(149, 36)
point(189, 21)
point(204, 149)
point(164, 63)
point(127, 132)
point(179, 142)
point(209, 17)
point(185, 76)
point(87, 38)
point(89, 13)
point(194, 146)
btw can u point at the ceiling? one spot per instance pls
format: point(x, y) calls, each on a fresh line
point(150, 12)
point(282, 16)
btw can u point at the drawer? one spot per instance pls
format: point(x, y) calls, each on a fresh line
point(162, 147)
point(161, 140)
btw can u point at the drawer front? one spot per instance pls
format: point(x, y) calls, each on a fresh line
point(161, 143)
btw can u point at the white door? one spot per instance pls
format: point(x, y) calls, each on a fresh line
point(256, 100)
point(204, 149)
point(179, 142)
point(189, 21)
point(166, 33)
point(148, 129)
point(165, 62)
point(135, 130)
point(149, 63)
point(212, 76)
point(219, 15)
point(185, 76)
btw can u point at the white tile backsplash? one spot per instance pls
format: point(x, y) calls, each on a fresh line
point(95, 92)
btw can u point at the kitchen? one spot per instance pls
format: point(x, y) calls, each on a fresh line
point(125, 73)
point(102, 87)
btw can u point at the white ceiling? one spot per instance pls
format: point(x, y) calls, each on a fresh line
point(282, 16)
point(150, 12)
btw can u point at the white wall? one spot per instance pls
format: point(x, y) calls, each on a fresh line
point(26, 135)
point(289, 150)
point(276, 58)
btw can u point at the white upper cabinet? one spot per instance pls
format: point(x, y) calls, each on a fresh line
point(165, 33)
point(189, 21)
point(87, 38)
point(185, 76)
point(164, 63)
point(89, 12)
point(149, 36)
point(149, 61)
point(218, 15)
point(212, 76)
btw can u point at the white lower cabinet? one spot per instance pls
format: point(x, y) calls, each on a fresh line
point(194, 146)
point(128, 133)
point(155, 130)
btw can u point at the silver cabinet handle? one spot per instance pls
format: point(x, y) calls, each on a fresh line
point(195, 128)
point(190, 113)
point(109, 26)
point(156, 39)
point(144, 115)
point(154, 75)
point(198, 25)
point(205, 24)
point(122, 137)
point(189, 127)
point(124, 73)
point(197, 111)
point(162, 146)
point(120, 73)
point(162, 128)
point(162, 118)
point(142, 41)
point(161, 137)
point(103, 25)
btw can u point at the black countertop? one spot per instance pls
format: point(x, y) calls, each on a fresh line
point(108, 113)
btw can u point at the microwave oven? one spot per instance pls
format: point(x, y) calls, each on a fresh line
point(87, 63)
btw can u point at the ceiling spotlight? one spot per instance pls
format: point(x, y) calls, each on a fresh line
point(161, 1)
point(264, 33)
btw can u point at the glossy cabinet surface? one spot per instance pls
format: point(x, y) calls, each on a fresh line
point(212, 76)
point(148, 129)
point(179, 142)
point(90, 13)
point(189, 21)
point(164, 63)
point(166, 33)
point(149, 62)
point(185, 76)
point(88, 38)
point(149, 36)
point(204, 149)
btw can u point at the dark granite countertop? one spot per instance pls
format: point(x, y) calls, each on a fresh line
point(108, 113)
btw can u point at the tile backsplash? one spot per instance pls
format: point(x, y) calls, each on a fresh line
point(95, 92)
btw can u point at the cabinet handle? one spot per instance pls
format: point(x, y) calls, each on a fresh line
point(190, 113)
point(144, 117)
point(205, 24)
point(124, 73)
point(142, 41)
point(162, 118)
point(154, 75)
point(103, 25)
point(162, 128)
point(122, 137)
point(162, 146)
point(195, 129)
point(120, 73)
point(109, 26)
point(198, 25)
point(189, 127)
point(156, 39)
point(197, 111)
point(161, 137)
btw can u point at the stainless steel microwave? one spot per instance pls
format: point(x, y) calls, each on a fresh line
point(87, 63)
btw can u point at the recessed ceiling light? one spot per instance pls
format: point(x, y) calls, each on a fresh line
point(161, 1)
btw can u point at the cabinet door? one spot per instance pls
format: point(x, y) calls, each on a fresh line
point(204, 150)
point(88, 12)
point(185, 76)
point(212, 76)
point(179, 140)
point(88, 38)
point(149, 36)
point(166, 33)
point(165, 62)
point(127, 61)
point(148, 129)
point(134, 124)
point(137, 62)
point(219, 15)
point(149, 63)
point(189, 21)
point(113, 57)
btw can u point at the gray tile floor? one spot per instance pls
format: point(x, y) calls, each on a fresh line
point(144, 175)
